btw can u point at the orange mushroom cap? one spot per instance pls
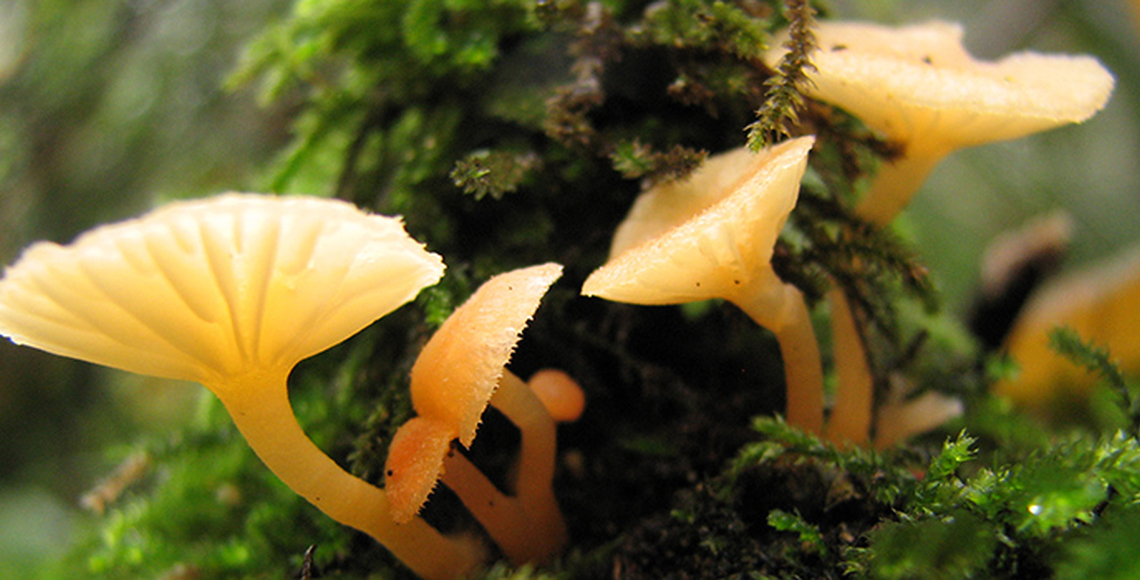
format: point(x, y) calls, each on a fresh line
point(560, 394)
point(460, 367)
point(414, 464)
point(1102, 305)
point(455, 376)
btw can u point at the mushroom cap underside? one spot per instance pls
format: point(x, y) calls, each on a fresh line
point(917, 85)
point(718, 250)
point(199, 290)
point(460, 367)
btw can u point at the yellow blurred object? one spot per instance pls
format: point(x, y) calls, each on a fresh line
point(1102, 305)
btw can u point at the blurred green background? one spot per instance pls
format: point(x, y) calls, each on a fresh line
point(109, 106)
point(106, 107)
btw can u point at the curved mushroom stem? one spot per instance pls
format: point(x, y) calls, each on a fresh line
point(850, 420)
point(535, 483)
point(529, 526)
point(894, 186)
point(271, 429)
point(790, 321)
point(500, 515)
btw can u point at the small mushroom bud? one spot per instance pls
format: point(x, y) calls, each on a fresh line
point(560, 394)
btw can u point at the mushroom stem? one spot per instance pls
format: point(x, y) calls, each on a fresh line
point(544, 532)
point(788, 318)
point(901, 419)
point(851, 415)
point(267, 422)
point(500, 515)
point(894, 186)
point(534, 486)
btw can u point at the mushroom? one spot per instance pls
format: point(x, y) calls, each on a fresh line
point(232, 292)
point(712, 236)
point(1102, 305)
point(853, 411)
point(919, 88)
point(460, 371)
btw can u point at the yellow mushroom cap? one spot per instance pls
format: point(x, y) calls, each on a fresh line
point(201, 290)
point(917, 85)
point(460, 367)
point(708, 236)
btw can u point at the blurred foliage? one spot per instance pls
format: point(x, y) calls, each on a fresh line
point(512, 132)
point(104, 107)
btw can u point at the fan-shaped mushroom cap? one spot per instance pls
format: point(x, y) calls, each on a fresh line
point(685, 242)
point(918, 86)
point(204, 289)
point(459, 368)
point(671, 203)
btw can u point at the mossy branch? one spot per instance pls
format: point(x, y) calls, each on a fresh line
point(494, 173)
point(783, 100)
point(839, 247)
point(703, 26)
point(1099, 361)
point(634, 159)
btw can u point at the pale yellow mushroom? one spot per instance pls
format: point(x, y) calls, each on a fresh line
point(918, 87)
point(232, 292)
point(712, 236)
point(461, 370)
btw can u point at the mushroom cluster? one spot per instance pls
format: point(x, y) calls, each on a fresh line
point(922, 91)
point(461, 371)
point(232, 292)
